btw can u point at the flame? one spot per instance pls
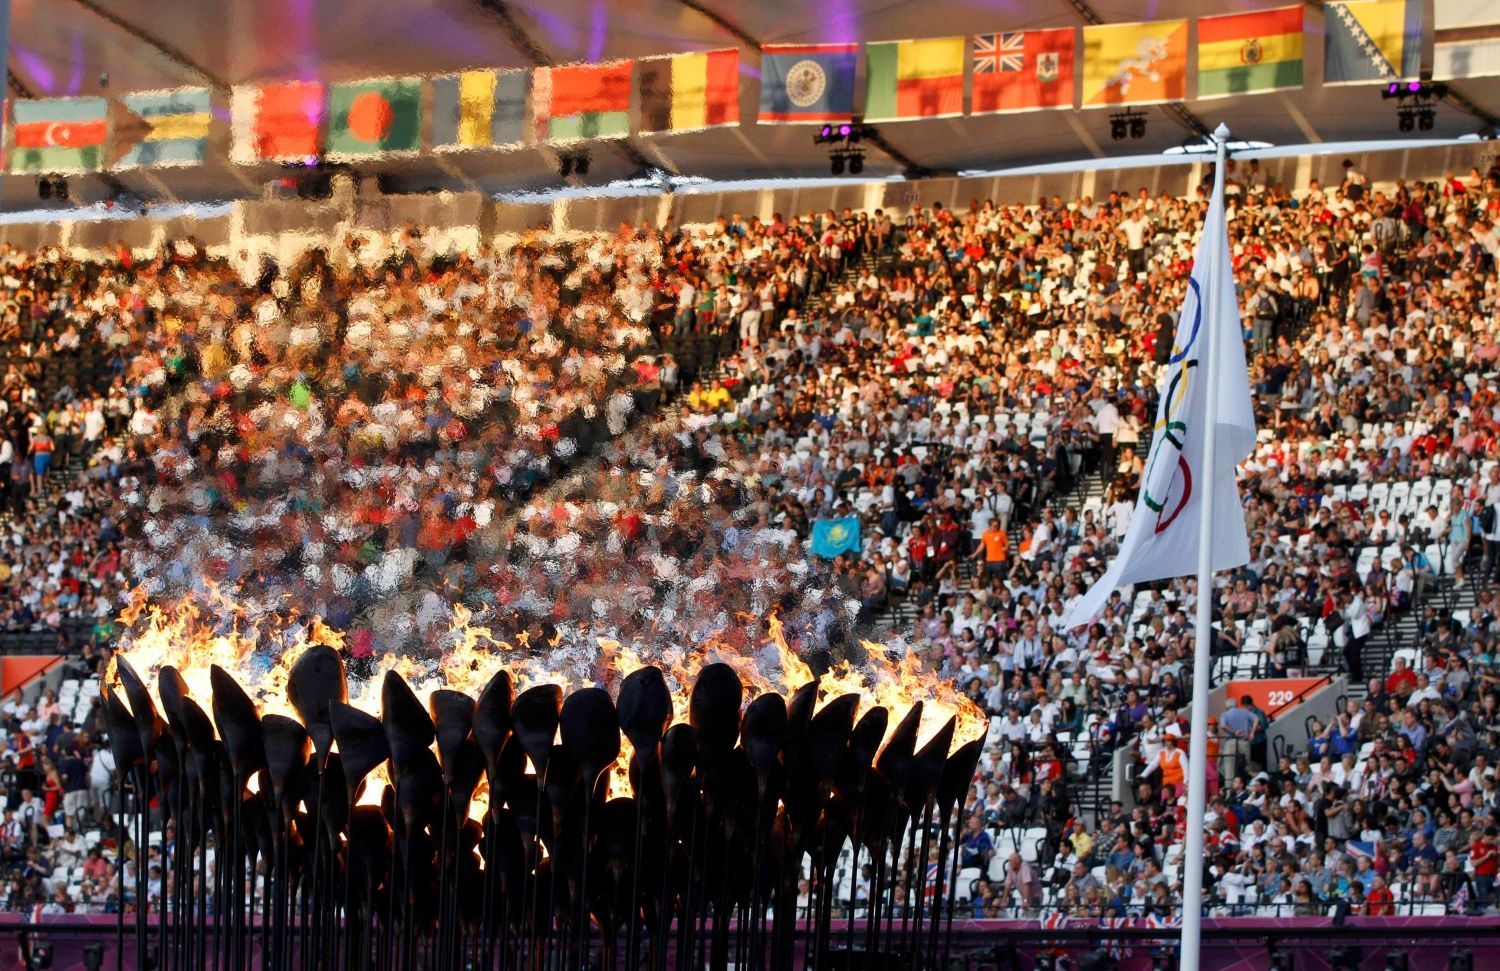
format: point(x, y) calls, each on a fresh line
point(209, 628)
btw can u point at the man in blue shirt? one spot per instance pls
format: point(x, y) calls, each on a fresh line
point(976, 848)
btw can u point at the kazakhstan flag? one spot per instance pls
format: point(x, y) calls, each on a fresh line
point(831, 537)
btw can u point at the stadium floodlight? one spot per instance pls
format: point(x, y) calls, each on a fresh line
point(856, 162)
point(1125, 124)
point(1117, 128)
point(44, 188)
point(836, 162)
point(1138, 126)
point(1406, 119)
point(581, 163)
point(1425, 118)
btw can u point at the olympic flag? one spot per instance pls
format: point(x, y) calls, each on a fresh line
point(1208, 357)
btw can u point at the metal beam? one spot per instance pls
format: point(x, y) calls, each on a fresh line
point(750, 40)
point(155, 43)
point(21, 88)
point(1464, 103)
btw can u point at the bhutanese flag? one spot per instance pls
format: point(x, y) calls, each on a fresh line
point(914, 79)
point(1132, 64)
point(479, 109)
point(1244, 52)
point(276, 122)
point(582, 101)
point(687, 92)
point(161, 128)
point(59, 135)
point(1365, 41)
point(381, 116)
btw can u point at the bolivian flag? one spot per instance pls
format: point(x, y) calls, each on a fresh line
point(164, 128)
point(914, 79)
point(1247, 52)
point(689, 92)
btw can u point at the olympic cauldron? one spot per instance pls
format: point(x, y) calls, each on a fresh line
point(482, 814)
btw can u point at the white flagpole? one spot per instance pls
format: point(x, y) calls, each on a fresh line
point(1192, 858)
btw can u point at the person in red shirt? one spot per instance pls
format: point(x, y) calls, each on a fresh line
point(1485, 858)
point(1379, 901)
point(1402, 681)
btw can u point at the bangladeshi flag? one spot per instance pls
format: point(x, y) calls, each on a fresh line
point(59, 135)
point(375, 117)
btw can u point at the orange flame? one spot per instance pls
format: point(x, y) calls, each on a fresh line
point(200, 631)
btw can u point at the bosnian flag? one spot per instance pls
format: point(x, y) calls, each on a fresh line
point(1208, 357)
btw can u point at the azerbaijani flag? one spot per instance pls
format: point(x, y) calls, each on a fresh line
point(1241, 53)
point(582, 101)
point(59, 135)
point(914, 79)
point(479, 109)
point(276, 122)
point(1134, 64)
point(376, 117)
point(688, 92)
point(162, 128)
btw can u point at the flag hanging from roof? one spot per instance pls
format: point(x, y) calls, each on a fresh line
point(1023, 69)
point(1208, 357)
point(1245, 52)
point(581, 101)
point(58, 135)
point(1368, 41)
point(807, 83)
point(1465, 39)
point(479, 109)
point(1134, 64)
point(277, 122)
point(688, 92)
point(160, 128)
point(381, 116)
point(914, 79)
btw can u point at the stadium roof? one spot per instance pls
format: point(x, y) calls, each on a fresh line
point(62, 47)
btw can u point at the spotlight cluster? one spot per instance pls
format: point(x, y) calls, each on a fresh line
point(1131, 123)
point(52, 187)
point(845, 137)
point(573, 163)
point(1416, 103)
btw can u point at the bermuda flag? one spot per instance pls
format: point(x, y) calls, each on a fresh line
point(59, 135)
point(279, 122)
point(582, 101)
point(382, 116)
point(807, 83)
point(1022, 70)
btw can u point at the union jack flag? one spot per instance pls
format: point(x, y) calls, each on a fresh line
point(994, 53)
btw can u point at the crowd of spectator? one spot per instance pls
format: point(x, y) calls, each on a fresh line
point(378, 442)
